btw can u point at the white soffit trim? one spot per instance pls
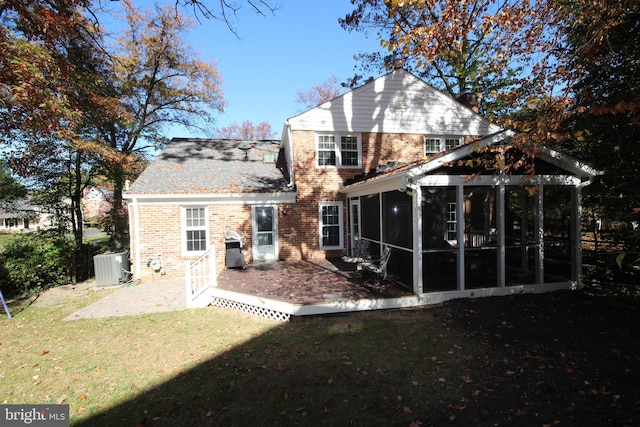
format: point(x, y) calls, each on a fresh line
point(214, 198)
point(394, 181)
point(459, 153)
point(568, 163)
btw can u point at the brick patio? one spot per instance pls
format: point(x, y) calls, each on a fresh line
point(307, 282)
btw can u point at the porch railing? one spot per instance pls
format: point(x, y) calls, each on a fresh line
point(201, 276)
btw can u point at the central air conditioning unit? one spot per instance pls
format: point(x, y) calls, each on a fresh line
point(111, 269)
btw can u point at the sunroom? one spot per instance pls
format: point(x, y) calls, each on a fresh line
point(456, 228)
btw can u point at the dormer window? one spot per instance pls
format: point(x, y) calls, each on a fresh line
point(338, 150)
point(436, 144)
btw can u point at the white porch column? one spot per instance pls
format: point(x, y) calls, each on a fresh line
point(539, 235)
point(576, 243)
point(501, 262)
point(418, 285)
point(460, 234)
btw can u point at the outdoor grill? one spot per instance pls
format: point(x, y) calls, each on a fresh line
point(234, 244)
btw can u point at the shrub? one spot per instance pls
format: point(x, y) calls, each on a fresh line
point(34, 262)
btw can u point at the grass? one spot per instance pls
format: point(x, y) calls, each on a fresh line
point(6, 239)
point(479, 359)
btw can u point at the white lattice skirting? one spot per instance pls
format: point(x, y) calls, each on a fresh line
point(282, 311)
point(251, 309)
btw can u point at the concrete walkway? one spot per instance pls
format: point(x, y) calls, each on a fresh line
point(143, 298)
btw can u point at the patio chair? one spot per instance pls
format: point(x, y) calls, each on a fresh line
point(358, 253)
point(377, 268)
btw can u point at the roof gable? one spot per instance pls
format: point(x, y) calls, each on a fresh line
point(206, 166)
point(398, 102)
point(436, 164)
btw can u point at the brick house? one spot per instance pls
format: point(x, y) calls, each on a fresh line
point(370, 166)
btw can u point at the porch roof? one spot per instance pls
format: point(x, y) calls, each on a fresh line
point(434, 162)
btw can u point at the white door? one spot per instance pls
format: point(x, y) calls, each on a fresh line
point(265, 233)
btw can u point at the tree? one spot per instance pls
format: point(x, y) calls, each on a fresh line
point(34, 70)
point(604, 60)
point(226, 10)
point(457, 46)
point(158, 81)
point(319, 94)
point(247, 131)
point(10, 188)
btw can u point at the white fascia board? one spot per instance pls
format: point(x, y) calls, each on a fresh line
point(568, 163)
point(459, 153)
point(214, 198)
point(491, 180)
point(394, 181)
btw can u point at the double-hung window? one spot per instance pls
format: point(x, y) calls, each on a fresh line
point(436, 144)
point(338, 150)
point(331, 225)
point(452, 224)
point(194, 226)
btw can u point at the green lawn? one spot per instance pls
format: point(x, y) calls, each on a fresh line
point(551, 359)
point(6, 239)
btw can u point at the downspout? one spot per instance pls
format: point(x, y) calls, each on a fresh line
point(135, 235)
point(289, 155)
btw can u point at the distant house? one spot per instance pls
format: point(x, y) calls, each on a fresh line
point(96, 204)
point(385, 165)
point(24, 216)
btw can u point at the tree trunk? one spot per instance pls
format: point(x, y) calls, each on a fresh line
point(119, 217)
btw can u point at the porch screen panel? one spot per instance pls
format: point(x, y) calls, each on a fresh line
point(480, 239)
point(370, 217)
point(397, 221)
point(520, 238)
point(558, 233)
point(397, 231)
point(439, 252)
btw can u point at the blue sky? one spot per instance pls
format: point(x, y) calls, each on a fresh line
point(276, 56)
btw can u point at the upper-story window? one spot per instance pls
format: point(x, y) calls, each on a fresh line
point(436, 144)
point(339, 150)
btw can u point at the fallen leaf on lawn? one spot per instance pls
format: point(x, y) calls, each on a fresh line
point(285, 395)
point(330, 381)
point(82, 397)
point(414, 382)
point(44, 352)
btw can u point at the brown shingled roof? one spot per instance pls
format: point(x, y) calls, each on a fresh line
point(197, 166)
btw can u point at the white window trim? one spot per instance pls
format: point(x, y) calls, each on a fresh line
point(337, 139)
point(340, 206)
point(442, 139)
point(184, 229)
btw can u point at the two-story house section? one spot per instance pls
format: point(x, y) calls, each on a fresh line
point(394, 119)
point(385, 166)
